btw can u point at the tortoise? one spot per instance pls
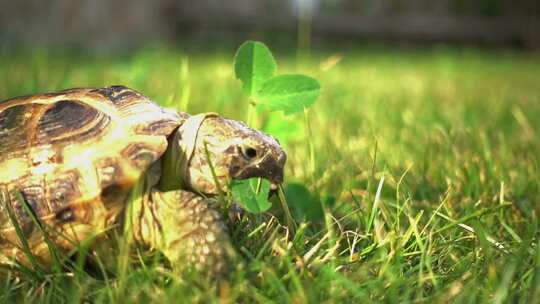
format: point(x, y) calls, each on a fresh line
point(80, 158)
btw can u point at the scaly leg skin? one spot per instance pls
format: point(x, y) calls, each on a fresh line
point(185, 229)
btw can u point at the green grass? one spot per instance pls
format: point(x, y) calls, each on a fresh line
point(422, 185)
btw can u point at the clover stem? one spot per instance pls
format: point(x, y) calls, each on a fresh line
point(250, 113)
point(310, 146)
point(285, 206)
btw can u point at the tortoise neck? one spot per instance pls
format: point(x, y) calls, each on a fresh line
point(180, 149)
point(173, 166)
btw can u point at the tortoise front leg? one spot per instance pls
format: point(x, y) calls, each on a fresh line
point(185, 229)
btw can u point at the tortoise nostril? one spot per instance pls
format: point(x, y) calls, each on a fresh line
point(250, 152)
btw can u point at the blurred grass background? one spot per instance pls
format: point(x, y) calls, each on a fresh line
point(425, 180)
point(449, 133)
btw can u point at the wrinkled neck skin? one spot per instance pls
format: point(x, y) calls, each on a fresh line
point(173, 165)
point(175, 161)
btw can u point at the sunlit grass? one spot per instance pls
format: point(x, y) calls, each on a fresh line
point(424, 187)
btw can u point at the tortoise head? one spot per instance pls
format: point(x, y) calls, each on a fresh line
point(231, 148)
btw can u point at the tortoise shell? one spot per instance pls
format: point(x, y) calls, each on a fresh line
point(74, 155)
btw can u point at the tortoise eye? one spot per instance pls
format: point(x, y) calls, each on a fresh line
point(250, 152)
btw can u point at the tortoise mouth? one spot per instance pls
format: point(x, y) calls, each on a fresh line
point(268, 169)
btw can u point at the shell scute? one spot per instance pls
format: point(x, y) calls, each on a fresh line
point(139, 154)
point(117, 94)
point(13, 139)
point(70, 120)
point(35, 199)
point(63, 189)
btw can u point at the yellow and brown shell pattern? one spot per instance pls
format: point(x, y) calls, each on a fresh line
point(74, 155)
